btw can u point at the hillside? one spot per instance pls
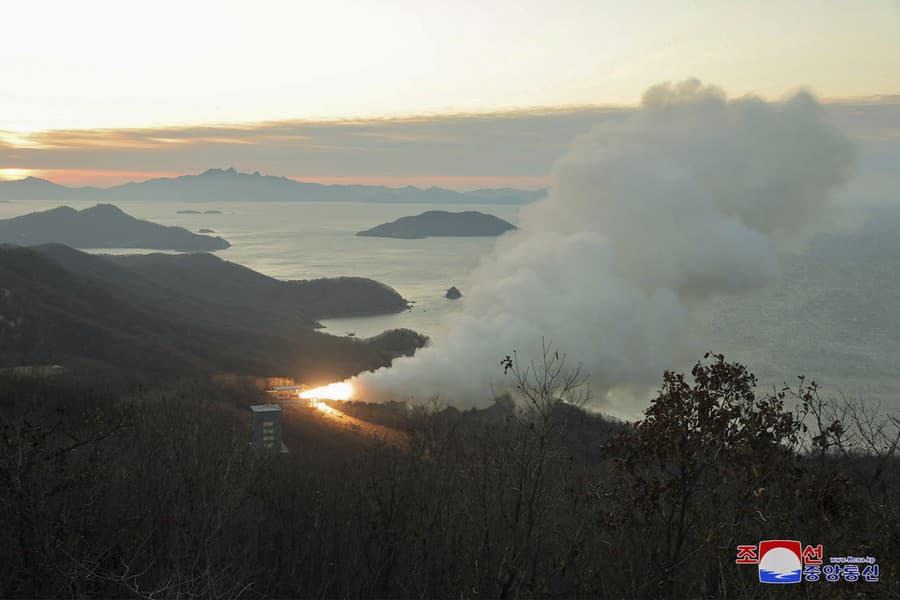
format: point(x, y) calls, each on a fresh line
point(231, 185)
point(101, 226)
point(435, 223)
point(212, 279)
point(61, 306)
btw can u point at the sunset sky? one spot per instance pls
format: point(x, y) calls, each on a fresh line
point(97, 92)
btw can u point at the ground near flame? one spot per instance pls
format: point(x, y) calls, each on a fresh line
point(331, 412)
point(332, 391)
point(318, 399)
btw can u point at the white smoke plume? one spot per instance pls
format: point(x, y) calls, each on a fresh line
point(646, 217)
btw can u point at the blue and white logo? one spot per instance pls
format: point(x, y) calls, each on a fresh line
point(780, 561)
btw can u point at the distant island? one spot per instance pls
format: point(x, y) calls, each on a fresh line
point(229, 185)
point(212, 212)
point(188, 212)
point(101, 226)
point(399, 342)
point(439, 223)
point(206, 230)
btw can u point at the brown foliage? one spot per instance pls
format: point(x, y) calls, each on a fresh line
point(157, 494)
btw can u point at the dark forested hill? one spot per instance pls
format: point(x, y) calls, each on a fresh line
point(101, 226)
point(212, 279)
point(156, 314)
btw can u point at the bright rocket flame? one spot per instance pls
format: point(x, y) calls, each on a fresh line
point(332, 391)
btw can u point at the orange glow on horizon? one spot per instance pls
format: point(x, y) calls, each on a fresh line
point(108, 177)
point(14, 174)
point(82, 177)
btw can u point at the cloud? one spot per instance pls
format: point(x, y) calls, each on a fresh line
point(509, 146)
point(648, 215)
point(514, 148)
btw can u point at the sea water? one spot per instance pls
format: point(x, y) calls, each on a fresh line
point(832, 317)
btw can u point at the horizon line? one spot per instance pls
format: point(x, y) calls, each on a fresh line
point(534, 183)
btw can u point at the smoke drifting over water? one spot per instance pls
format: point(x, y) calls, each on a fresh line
point(646, 217)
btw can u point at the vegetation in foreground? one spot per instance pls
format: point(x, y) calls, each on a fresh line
point(151, 494)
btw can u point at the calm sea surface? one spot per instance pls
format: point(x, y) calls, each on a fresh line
point(832, 317)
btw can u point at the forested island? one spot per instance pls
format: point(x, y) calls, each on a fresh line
point(440, 223)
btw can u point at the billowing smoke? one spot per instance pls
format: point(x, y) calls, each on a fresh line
point(646, 217)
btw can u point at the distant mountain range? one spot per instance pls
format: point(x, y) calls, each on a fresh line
point(215, 185)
